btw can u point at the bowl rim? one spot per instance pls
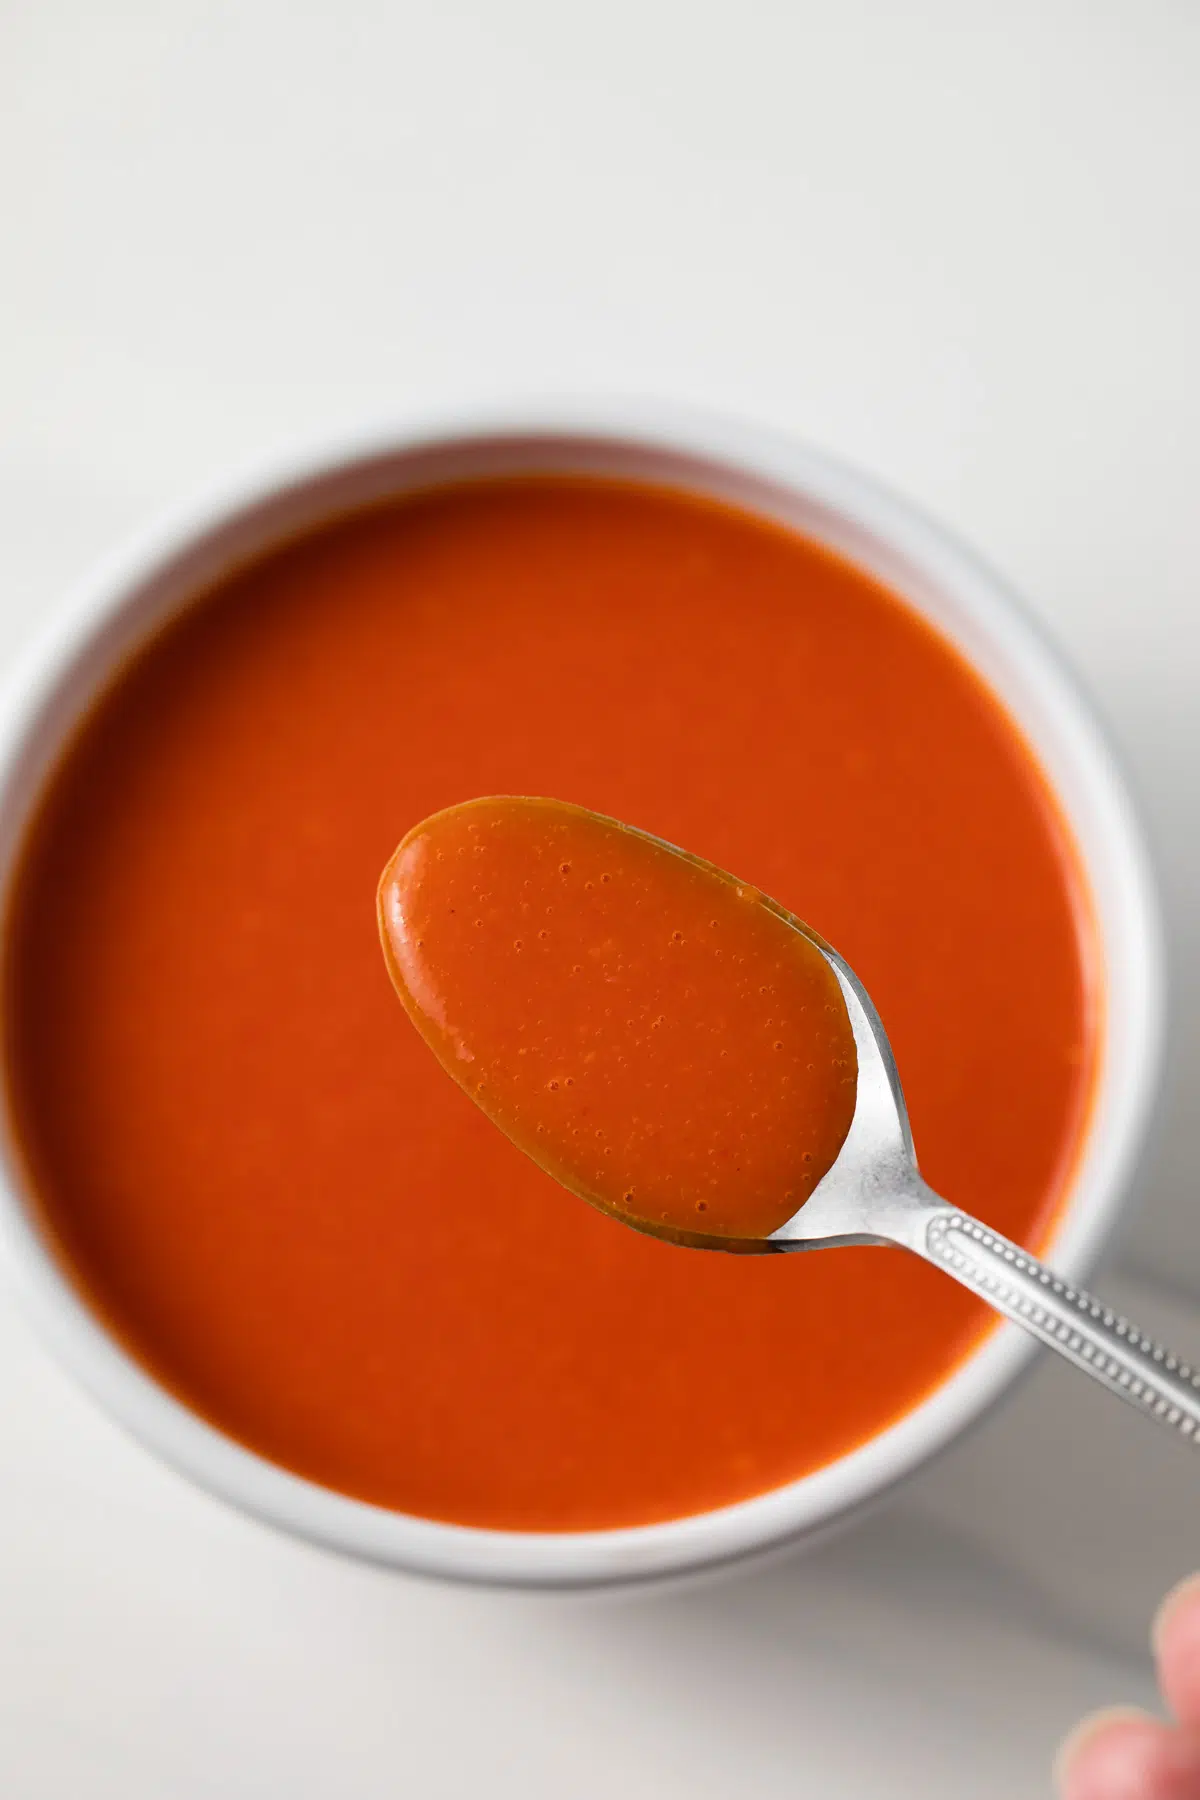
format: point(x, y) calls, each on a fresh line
point(1122, 1116)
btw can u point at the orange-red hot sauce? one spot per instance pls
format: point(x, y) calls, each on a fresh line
point(661, 1038)
point(264, 1183)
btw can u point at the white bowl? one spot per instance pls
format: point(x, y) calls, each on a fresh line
point(132, 594)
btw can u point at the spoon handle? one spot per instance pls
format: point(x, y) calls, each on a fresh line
point(1075, 1323)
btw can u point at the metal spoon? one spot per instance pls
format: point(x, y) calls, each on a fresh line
point(874, 1194)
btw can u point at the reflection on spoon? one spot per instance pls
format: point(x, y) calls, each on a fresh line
point(682, 1052)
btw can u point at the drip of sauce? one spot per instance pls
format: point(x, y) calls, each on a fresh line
point(661, 1039)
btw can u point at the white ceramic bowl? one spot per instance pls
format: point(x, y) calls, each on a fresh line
point(132, 594)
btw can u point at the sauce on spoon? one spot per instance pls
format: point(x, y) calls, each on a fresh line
point(661, 1038)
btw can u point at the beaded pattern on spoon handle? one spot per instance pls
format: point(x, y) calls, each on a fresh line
point(1075, 1322)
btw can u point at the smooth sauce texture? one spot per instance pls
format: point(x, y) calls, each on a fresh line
point(264, 1182)
point(658, 1037)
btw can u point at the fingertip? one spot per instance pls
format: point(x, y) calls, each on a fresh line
point(1126, 1755)
point(1176, 1639)
point(1080, 1748)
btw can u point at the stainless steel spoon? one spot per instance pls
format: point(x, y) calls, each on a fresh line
point(874, 1194)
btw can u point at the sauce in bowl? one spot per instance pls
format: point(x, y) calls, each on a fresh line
point(261, 1181)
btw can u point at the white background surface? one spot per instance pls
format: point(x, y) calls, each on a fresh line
point(958, 243)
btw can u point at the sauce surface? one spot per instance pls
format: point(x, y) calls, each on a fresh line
point(653, 1033)
point(264, 1182)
